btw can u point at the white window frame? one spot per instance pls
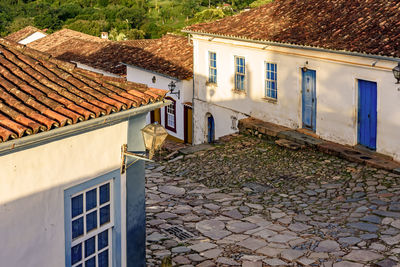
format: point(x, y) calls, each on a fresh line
point(239, 73)
point(113, 226)
point(211, 77)
point(170, 115)
point(94, 232)
point(268, 81)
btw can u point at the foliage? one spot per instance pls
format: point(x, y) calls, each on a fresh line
point(258, 3)
point(116, 36)
point(132, 18)
point(92, 27)
point(209, 15)
point(19, 23)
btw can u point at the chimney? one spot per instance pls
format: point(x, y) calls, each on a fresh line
point(104, 35)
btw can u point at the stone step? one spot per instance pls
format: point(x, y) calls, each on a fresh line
point(289, 144)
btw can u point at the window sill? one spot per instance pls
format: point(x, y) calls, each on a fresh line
point(270, 100)
point(239, 92)
point(212, 85)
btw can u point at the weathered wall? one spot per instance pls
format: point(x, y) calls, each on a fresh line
point(336, 89)
point(32, 192)
point(185, 87)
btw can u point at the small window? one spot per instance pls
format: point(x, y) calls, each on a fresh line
point(212, 72)
point(240, 71)
point(91, 225)
point(170, 116)
point(271, 88)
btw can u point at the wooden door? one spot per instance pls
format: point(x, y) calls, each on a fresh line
point(309, 100)
point(155, 116)
point(367, 113)
point(188, 124)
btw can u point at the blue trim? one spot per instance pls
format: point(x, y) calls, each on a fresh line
point(309, 100)
point(115, 175)
point(367, 114)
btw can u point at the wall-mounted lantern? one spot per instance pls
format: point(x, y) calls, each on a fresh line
point(154, 79)
point(172, 87)
point(154, 136)
point(396, 72)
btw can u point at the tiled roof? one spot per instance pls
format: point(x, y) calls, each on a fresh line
point(22, 34)
point(39, 93)
point(366, 26)
point(171, 55)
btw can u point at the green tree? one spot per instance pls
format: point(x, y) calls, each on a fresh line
point(94, 27)
point(258, 3)
point(19, 23)
point(208, 15)
point(48, 20)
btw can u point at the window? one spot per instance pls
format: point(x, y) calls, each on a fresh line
point(212, 72)
point(90, 223)
point(239, 73)
point(170, 116)
point(271, 89)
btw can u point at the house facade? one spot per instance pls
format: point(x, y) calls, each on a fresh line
point(161, 63)
point(339, 87)
point(63, 199)
point(176, 118)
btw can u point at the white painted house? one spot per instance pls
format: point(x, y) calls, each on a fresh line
point(63, 199)
point(317, 65)
point(160, 63)
point(153, 62)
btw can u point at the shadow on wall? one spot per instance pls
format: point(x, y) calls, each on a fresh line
point(32, 227)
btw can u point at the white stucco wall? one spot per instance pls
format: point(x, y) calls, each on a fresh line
point(138, 75)
point(32, 193)
point(86, 67)
point(225, 120)
point(31, 38)
point(336, 89)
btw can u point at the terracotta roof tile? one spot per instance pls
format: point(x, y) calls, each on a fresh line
point(366, 26)
point(22, 34)
point(170, 55)
point(40, 93)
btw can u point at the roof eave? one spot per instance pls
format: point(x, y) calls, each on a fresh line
point(287, 45)
point(155, 72)
point(74, 129)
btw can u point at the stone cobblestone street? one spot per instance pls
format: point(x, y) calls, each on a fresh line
point(249, 202)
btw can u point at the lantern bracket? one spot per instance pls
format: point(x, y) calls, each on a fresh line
point(125, 153)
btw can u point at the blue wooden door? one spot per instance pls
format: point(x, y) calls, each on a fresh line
point(309, 99)
point(367, 113)
point(210, 129)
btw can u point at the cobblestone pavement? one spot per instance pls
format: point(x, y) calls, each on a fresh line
point(250, 203)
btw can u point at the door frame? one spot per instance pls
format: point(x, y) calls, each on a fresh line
point(359, 109)
point(186, 125)
point(314, 105)
point(208, 116)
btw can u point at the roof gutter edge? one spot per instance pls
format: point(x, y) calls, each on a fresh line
point(81, 127)
point(348, 53)
point(151, 71)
